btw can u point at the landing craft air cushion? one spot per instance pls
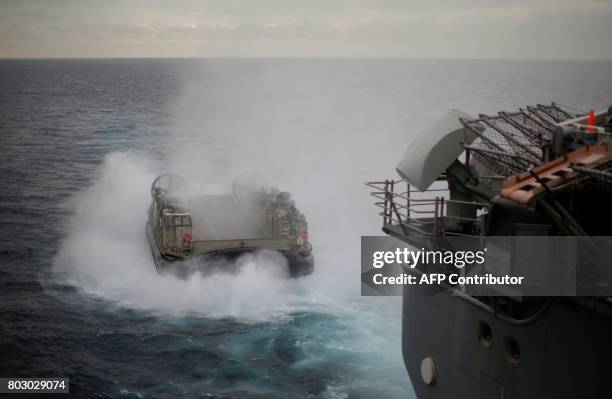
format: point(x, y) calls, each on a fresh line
point(200, 233)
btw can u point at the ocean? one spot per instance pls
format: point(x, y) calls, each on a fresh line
point(81, 142)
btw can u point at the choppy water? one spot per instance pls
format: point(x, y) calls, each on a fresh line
point(80, 142)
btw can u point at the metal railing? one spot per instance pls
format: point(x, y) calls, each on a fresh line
point(420, 216)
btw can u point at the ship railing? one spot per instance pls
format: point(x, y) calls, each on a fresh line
point(581, 123)
point(424, 217)
point(603, 133)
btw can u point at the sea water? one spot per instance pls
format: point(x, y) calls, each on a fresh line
point(80, 143)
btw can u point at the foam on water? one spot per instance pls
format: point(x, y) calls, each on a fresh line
point(106, 253)
point(105, 250)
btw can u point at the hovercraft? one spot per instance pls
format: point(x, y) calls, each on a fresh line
point(190, 233)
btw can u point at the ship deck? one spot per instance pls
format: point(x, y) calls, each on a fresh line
point(218, 217)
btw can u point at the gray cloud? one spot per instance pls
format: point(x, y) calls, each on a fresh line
point(397, 28)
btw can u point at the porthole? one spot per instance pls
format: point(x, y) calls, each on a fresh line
point(485, 335)
point(513, 351)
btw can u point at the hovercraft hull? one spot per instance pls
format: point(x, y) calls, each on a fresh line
point(222, 261)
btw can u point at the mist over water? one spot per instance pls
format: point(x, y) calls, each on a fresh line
point(106, 254)
point(226, 123)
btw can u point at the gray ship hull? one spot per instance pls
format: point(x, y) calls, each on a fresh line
point(563, 352)
point(539, 171)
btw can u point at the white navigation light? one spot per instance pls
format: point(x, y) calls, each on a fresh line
point(429, 373)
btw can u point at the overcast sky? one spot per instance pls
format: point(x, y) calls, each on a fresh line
point(536, 29)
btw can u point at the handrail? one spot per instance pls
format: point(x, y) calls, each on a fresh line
point(589, 128)
point(431, 221)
